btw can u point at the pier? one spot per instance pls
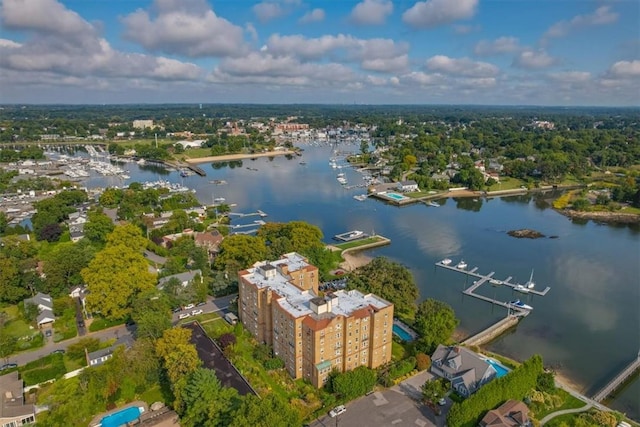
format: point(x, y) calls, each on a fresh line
point(243, 215)
point(618, 380)
point(492, 331)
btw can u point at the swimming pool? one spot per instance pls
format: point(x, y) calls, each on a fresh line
point(501, 370)
point(121, 418)
point(395, 196)
point(404, 335)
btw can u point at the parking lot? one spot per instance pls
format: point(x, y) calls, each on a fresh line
point(394, 407)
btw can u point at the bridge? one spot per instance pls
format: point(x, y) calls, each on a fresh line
point(617, 381)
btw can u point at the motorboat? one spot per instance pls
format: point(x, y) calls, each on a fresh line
point(461, 265)
point(522, 289)
point(434, 204)
point(519, 304)
point(360, 197)
point(445, 261)
point(495, 282)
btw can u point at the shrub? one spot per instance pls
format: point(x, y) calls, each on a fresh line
point(45, 369)
point(423, 361)
point(274, 363)
point(545, 382)
point(226, 340)
point(402, 368)
point(100, 323)
point(352, 384)
point(77, 351)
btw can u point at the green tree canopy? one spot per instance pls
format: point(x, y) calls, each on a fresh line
point(178, 355)
point(206, 402)
point(127, 235)
point(98, 226)
point(435, 323)
point(152, 313)
point(240, 251)
point(389, 280)
point(269, 411)
point(63, 265)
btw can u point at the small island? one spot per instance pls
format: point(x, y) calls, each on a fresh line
point(525, 233)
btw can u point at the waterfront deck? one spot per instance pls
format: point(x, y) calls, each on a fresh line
point(350, 236)
point(618, 380)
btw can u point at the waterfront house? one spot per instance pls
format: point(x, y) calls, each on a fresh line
point(408, 186)
point(209, 240)
point(512, 413)
point(466, 371)
point(44, 302)
point(13, 410)
point(184, 278)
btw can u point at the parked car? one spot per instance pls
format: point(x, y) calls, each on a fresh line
point(442, 402)
point(196, 312)
point(337, 411)
point(8, 366)
point(176, 310)
point(189, 306)
point(58, 351)
point(201, 303)
point(184, 316)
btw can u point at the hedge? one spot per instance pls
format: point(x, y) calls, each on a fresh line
point(48, 368)
point(515, 385)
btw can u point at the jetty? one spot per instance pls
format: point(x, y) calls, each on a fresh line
point(618, 380)
point(243, 215)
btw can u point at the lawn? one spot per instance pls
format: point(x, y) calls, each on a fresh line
point(356, 243)
point(65, 326)
point(569, 402)
point(194, 153)
point(27, 337)
point(153, 394)
point(398, 351)
point(507, 183)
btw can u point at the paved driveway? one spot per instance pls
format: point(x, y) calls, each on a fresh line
point(394, 407)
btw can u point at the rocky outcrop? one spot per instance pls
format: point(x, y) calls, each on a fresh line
point(613, 217)
point(525, 233)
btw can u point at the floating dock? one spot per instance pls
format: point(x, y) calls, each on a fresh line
point(350, 236)
point(243, 215)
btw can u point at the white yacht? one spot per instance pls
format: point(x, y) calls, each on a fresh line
point(530, 283)
point(445, 261)
point(521, 289)
point(462, 265)
point(495, 282)
point(519, 304)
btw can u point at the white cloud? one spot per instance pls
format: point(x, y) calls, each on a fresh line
point(251, 30)
point(498, 46)
point(315, 15)
point(465, 29)
point(421, 78)
point(269, 10)
point(188, 28)
point(371, 12)
point(5, 43)
point(530, 59)
point(43, 16)
point(625, 69)
point(601, 16)
point(461, 66)
point(571, 76)
point(371, 53)
point(432, 13)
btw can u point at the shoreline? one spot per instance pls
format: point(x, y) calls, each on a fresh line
point(228, 157)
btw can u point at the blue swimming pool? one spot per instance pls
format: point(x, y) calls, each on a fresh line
point(501, 370)
point(396, 196)
point(121, 418)
point(404, 335)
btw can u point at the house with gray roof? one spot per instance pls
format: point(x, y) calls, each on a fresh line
point(466, 371)
point(44, 302)
point(98, 357)
point(184, 278)
point(13, 409)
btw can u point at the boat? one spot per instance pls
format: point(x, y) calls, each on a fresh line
point(360, 197)
point(495, 282)
point(303, 162)
point(462, 265)
point(434, 204)
point(219, 200)
point(445, 261)
point(522, 289)
point(519, 304)
point(530, 284)
point(355, 234)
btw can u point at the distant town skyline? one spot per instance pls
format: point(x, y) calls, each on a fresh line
point(482, 52)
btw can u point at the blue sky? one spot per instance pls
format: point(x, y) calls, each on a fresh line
point(506, 52)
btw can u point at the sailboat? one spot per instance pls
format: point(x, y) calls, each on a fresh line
point(530, 284)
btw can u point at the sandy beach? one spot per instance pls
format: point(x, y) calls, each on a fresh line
point(228, 157)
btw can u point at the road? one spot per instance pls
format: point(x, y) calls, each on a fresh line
point(119, 332)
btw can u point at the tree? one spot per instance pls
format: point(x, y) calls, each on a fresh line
point(178, 355)
point(435, 322)
point(226, 340)
point(98, 226)
point(206, 402)
point(50, 232)
point(114, 278)
point(434, 390)
point(240, 251)
point(152, 313)
point(63, 265)
point(269, 411)
point(4, 222)
point(351, 384)
point(423, 361)
point(76, 351)
point(388, 280)
point(128, 235)
point(11, 289)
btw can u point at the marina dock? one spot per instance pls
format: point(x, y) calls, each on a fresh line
point(244, 215)
point(618, 380)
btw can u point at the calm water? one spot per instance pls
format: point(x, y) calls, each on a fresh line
point(586, 327)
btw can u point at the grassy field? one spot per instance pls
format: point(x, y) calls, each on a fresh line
point(356, 243)
point(507, 183)
point(398, 351)
point(569, 402)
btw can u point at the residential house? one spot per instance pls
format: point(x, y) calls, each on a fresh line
point(44, 302)
point(279, 304)
point(511, 413)
point(168, 240)
point(14, 412)
point(408, 186)
point(184, 278)
point(76, 223)
point(98, 357)
point(466, 371)
point(80, 293)
point(210, 240)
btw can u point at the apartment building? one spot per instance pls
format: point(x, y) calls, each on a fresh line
point(280, 305)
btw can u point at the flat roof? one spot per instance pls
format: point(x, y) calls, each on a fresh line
point(296, 301)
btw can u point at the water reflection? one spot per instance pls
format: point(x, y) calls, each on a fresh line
point(468, 204)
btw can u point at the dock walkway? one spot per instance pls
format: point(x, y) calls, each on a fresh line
point(617, 381)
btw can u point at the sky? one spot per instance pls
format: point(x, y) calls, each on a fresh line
point(480, 52)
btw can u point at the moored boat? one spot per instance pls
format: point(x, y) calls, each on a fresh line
point(519, 304)
point(522, 289)
point(445, 261)
point(461, 265)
